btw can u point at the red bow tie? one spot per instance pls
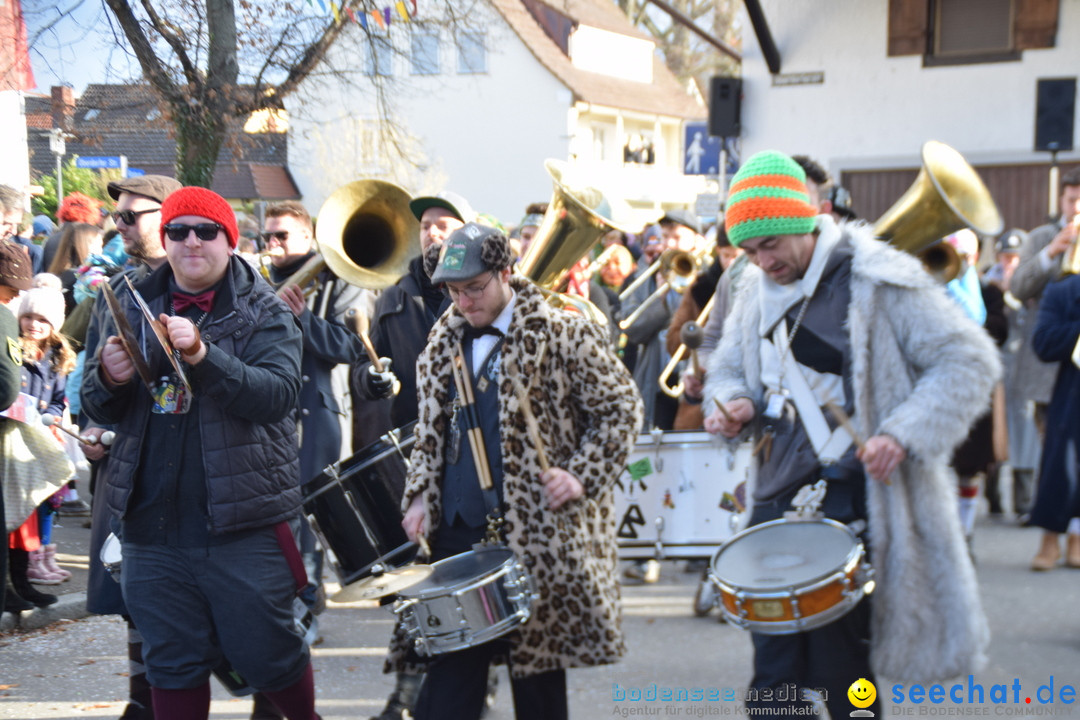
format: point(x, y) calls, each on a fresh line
point(182, 301)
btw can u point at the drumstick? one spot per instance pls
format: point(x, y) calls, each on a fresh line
point(424, 547)
point(531, 425)
point(376, 363)
point(723, 411)
point(51, 420)
point(845, 422)
point(476, 438)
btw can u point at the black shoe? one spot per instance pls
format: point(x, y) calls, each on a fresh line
point(74, 508)
point(14, 603)
point(19, 561)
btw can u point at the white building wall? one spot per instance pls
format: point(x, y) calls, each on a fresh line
point(483, 135)
point(875, 111)
point(15, 170)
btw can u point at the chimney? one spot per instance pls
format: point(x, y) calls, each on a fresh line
point(63, 107)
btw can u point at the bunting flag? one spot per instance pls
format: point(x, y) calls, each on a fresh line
point(386, 12)
point(334, 11)
point(402, 10)
point(379, 19)
point(362, 18)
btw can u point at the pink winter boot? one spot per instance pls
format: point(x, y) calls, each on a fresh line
point(37, 572)
point(50, 562)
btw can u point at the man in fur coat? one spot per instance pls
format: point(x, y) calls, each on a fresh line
point(836, 316)
point(559, 522)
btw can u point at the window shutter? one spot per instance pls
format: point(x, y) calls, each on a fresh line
point(1036, 23)
point(909, 23)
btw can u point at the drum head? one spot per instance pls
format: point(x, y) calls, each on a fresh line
point(459, 570)
point(773, 556)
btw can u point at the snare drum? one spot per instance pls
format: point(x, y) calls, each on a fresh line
point(468, 600)
point(354, 508)
point(667, 501)
point(784, 576)
point(111, 556)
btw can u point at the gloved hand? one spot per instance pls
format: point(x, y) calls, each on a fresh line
point(382, 384)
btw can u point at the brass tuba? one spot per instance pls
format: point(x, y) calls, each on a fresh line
point(578, 215)
point(948, 195)
point(367, 235)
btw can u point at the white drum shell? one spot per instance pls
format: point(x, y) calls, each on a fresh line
point(688, 474)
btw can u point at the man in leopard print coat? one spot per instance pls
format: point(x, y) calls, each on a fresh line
point(560, 523)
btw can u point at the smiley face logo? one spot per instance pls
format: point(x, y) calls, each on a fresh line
point(862, 693)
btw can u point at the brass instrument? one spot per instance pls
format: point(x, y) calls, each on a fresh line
point(367, 236)
point(678, 269)
point(1070, 259)
point(577, 217)
point(686, 345)
point(946, 196)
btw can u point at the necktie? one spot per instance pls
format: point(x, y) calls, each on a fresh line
point(182, 301)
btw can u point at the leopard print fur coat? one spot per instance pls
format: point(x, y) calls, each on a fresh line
point(589, 411)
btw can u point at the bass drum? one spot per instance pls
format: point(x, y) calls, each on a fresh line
point(354, 508)
point(678, 497)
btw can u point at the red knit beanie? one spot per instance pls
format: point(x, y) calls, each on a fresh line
point(203, 203)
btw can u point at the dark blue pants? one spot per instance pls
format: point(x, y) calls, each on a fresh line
point(455, 683)
point(829, 658)
point(195, 605)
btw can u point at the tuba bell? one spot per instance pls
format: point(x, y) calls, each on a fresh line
point(366, 234)
point(948, 195)
point(578, 215)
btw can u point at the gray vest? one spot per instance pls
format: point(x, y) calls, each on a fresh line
point(461, 494)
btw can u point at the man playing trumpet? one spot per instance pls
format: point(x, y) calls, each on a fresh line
point(559, 521)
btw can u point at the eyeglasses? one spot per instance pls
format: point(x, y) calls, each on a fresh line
point(204, 231)
point(128, 216)
point(282, 236)
point(473, 292)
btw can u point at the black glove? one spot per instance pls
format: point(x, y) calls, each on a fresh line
point(379, 385)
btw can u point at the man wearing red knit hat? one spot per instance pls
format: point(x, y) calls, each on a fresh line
point(204, 473)
point(831, 316)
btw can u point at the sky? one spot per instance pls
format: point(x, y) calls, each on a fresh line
point(71, 42)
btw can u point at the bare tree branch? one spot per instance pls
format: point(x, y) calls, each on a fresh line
point(155, 72)
point(174, 41)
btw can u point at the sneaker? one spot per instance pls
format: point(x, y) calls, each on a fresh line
point(74, 508)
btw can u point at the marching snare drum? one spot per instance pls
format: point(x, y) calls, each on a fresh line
point(111, 556)
point(468, 600)
point(354, 508)
point(785, 576)
point(668, 499)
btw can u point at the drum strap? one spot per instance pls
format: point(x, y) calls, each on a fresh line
point(829, 445)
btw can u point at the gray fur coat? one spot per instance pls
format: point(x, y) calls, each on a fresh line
point(922, 373)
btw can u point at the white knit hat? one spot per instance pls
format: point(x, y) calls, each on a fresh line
point(46, 302)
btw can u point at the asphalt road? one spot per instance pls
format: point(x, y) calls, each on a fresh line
point(77, 668)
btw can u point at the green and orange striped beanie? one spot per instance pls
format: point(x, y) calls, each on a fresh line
point(768, 197)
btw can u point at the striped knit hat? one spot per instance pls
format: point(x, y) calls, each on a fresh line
point(768, 197)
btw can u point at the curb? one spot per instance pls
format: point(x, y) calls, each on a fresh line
point(71, 606)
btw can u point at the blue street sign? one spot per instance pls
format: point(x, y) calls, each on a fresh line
point(100, 162)
point(135, 172)
point(701, 154)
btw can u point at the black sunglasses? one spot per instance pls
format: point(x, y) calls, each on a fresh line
point(204, 231)
point(280, 236)
point(128, 216)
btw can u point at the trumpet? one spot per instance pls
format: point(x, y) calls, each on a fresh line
point(678, 268)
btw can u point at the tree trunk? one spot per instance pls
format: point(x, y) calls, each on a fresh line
point(199, 135)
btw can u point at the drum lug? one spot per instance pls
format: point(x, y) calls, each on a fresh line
point(658, 438)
